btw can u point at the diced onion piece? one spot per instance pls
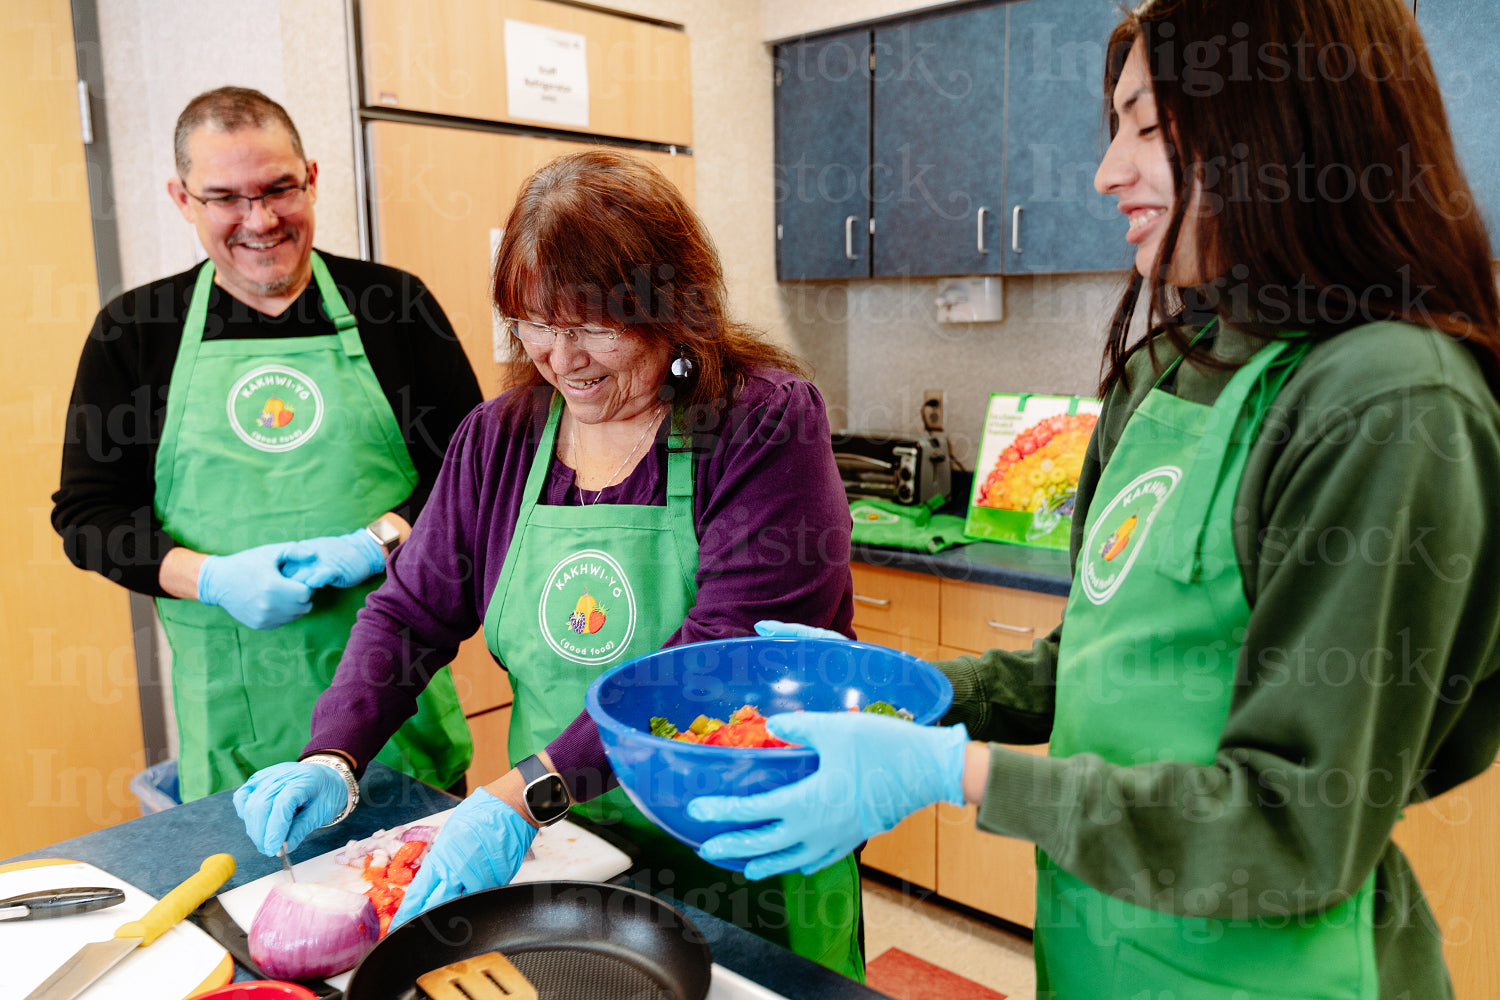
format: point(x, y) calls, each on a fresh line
point(305, 931)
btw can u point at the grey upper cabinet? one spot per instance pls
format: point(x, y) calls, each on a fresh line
point(1461, 38)
point(822, 108)
point(938, 127)
point(936, 181)
point(1056, 134)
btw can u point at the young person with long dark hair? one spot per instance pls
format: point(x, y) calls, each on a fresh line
point(1299, 636)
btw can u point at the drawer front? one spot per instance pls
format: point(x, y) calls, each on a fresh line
point(977, 616)
point(895, 602)
point(908, 852)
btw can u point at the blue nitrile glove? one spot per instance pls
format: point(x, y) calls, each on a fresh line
point(873, 771)
point(283, 803)
point(251, 587)
point(480, 846)
point(336, 560)
point(791, 630)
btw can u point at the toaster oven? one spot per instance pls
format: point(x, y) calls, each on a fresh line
point(902, 468)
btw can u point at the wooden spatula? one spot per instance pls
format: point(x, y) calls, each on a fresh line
point(484, 977)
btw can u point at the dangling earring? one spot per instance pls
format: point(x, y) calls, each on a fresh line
point(682, 367)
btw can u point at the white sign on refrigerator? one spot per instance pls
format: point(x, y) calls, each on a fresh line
point(547, 74)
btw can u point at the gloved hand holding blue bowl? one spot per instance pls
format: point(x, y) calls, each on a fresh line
point(771, 810)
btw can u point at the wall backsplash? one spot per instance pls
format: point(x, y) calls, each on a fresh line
point(877, 345)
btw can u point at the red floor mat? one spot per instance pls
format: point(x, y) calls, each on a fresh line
point(907, 977)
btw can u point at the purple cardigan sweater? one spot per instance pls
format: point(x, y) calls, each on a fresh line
point(773, 542)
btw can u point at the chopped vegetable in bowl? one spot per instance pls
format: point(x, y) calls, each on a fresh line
point(746, 727)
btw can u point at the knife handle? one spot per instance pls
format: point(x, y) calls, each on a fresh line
point(181, 901)
point(63, 902)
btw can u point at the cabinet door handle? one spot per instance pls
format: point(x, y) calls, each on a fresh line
point(1018, 629)
point(879, 602)
point(849, 239)
point(979, 230)
point(1015, 229)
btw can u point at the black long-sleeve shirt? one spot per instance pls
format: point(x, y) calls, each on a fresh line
point(104, 507)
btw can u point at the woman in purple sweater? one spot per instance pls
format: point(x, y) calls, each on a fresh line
point(654, 476)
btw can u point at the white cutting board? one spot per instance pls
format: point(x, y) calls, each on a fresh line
point(180, 963)
point(563, 850)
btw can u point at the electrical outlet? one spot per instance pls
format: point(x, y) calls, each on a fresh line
point(932, 411)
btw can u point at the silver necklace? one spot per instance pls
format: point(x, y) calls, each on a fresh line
point(578, 454)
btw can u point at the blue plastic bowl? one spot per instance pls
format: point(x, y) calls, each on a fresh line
point(714, 678)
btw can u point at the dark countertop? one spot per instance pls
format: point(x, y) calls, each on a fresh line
point(156, 852)
point(1045, 571)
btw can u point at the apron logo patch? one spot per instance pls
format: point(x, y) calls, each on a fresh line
point(1118, 532)
point(870, 515)
point(587, 608)
point(1115, 543)
point(275, 408)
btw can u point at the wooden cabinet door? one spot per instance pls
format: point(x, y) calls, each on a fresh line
point(909, 851)
point(1055, 138)
point(822, 107)
point(439, 199)
point(939, 134)
point(448, 57)
point(991, 873)
point(1450, 842)
point(1460, 36)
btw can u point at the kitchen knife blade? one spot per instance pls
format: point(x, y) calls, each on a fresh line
point(286, 864)
point(93, 960)
point(59, 902)
point(226, 930)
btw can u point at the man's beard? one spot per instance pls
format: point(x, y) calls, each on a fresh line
point(276, 287)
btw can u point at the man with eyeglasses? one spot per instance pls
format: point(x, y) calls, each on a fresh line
point(249, 440)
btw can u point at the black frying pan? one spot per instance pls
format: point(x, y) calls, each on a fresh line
point(570, 939)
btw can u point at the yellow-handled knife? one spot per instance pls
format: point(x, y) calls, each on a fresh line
point(94, 960)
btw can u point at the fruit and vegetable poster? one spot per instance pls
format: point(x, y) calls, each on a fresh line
point(1027, 473)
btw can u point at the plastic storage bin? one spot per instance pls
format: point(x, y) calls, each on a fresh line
point(156, 787)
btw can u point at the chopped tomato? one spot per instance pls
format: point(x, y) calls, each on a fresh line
point(746, 728)
point(388, 881)
point(745, 734)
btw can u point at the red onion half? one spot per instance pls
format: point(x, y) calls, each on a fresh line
point(305, 931)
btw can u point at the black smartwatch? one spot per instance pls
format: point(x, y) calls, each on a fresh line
point(546, 797)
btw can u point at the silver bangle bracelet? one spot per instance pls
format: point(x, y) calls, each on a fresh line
point(342, 769)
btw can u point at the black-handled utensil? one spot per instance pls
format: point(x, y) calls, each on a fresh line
point(226, 930)
point(59, 902)
point(96, 958)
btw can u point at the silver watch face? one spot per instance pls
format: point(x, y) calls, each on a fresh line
point(385, 533)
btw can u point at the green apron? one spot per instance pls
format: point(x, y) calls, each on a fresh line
point(584, 588)
point(1145, 674)
point(268, 441)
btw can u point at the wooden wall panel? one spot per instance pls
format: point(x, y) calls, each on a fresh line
point(70, 730)
point(439, 195)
